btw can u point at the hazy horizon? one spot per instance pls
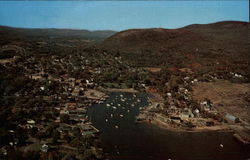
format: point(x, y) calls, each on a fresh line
point(114, 30)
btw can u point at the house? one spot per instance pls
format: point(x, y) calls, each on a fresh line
point(89, 84)
point(186, 113)
point(231, 119)
point(206, 106)
point(31, 121)
point(197, 112)
point(44, 148)
point(3, 151)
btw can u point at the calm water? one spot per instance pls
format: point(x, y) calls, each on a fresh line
point(124, 139)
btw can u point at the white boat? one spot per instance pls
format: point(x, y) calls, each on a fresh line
point(114, 108)
point(108, 105)
point(116, 127)
point(121, 115)
point(111, 115)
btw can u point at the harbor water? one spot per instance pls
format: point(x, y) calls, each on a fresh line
point(124, 139)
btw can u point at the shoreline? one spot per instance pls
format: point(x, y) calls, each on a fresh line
point(128, 90)
point(166, 126)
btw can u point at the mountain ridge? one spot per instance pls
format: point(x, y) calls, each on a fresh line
point(202, 41)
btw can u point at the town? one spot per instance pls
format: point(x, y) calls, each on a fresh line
point(130, 94)
point(46, 98)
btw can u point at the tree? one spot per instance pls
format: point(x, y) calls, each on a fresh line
point(55, 136)
point(77, 131)
point(64, 118)
point(88, 155)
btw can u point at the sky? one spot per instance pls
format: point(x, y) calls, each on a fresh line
point(120, 15)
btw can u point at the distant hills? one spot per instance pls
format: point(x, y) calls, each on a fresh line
point(55, 33)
